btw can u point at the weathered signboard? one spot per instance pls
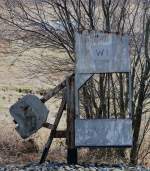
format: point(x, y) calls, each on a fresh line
point(29, 114)
point(98, 52)
point(103, 132)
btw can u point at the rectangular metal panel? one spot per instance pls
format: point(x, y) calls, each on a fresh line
point(103, 132)
point(98, 52)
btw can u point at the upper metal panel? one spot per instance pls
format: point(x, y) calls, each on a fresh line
point(98, 52)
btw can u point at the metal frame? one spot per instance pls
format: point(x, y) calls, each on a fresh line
point(82, 77)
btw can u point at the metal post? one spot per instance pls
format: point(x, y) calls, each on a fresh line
point(72, 151)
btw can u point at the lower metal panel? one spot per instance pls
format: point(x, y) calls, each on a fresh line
point(103, 132)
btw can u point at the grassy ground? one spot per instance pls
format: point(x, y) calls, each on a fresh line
point(14, 83)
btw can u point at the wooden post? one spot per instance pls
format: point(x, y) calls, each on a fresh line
point(72, 151)
point(53, 130)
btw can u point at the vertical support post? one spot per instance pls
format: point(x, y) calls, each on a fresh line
point(130, 96)
point(72, 151)
point(108, 96)
point(76, 87)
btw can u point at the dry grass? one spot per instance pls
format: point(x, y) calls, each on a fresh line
point(16, 150)
point(13, 85)
point(13, 149)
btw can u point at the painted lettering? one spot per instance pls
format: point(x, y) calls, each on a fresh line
point(99, 52)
